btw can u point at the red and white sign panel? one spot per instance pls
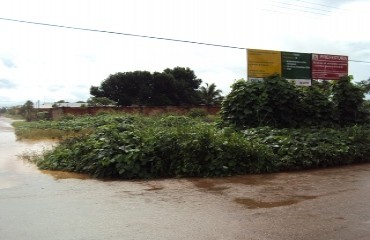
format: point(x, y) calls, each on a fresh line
point(329, 67)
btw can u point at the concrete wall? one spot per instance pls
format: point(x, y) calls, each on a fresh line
point(57, 113)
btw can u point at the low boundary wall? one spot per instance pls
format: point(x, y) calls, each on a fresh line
point(59, 112)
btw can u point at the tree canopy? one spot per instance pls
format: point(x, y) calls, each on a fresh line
point(27, 110)
point(365, 85)
point(276, 102)
point(210, 95)
point(100, 101)
point(177, 86)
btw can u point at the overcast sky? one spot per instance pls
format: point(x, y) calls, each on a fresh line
point(48, 64)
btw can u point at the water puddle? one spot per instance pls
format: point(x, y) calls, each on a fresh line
point(210, 185)
point(253, 180)
point(154, 188)
point(222, 184)
point(254, 204)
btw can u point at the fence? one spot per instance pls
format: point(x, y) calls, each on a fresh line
point(59, 112)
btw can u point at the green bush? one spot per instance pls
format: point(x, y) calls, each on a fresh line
point(272, 102)
point(314, 147)
point(171, 146)
point(130, 147)
point(197, 112)
point(277, 103)
point(42, 115)
point(315, 106)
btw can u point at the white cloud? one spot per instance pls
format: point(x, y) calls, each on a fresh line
point(57, 63)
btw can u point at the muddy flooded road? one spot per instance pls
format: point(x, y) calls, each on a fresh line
point(321, 204)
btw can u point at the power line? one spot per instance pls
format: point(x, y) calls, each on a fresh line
point(136, 35)
point(285, 13)
point(300, 10)
point(359, 61)
point(318, 4)
point(302, 6)
point(120, 33)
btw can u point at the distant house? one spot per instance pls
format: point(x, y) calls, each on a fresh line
point(46, 105)
point(66, 104)
point(70, 104)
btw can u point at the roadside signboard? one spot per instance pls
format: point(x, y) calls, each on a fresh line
point(329, 67)
point(299, 68)
point(263, 63)
point(296, 65)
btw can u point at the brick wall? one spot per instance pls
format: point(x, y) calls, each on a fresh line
point(57, 113)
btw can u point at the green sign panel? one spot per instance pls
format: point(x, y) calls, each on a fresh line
point(296, 65)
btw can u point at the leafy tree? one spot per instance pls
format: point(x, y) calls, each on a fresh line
point(273, 102)
point(100, 101)
point(276, 102)
point(175, 86)
point(96, 91)
point(280, 101)
point(27, 111)
point(316, 108)
point(124, 88)
point(185, 85)
point(209, 95)
point(366, 107)
point(348, 100)
point(365, 85)
point(163, 90)
point(243, 106)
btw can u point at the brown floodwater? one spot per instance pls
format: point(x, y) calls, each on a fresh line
point(319, 204)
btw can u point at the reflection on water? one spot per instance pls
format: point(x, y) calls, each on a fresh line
point(320, 204)
point(153, 187)
point(210, 185)
point(253, 204)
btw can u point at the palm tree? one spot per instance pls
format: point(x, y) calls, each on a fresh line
point(209, 95)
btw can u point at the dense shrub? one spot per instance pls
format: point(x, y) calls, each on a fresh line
point(277, 103)
point(315, 106)
point(65, 127)
point(166, 147)
point(348, 100)
point(197, 112)
point(177, 146)
point(314, 147)
point(270, 102)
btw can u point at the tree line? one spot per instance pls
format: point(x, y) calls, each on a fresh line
point(171, 87)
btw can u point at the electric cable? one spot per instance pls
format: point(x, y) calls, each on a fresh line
point(318, 4)
point(136, 35)
point(301, 6)
point(120, 33)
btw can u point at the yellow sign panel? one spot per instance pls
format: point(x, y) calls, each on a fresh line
point(263, 63)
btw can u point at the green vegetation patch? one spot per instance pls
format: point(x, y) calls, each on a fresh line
point(65, 128)
point(137, 147)
point(131, 147)
point(304, 148)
